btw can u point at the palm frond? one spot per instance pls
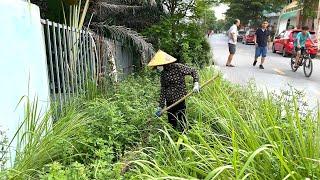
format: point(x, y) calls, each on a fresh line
point(130, 2)
point(104, 8)
point(121, 33)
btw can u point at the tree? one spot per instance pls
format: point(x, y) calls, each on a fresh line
point(210, 20)
point(251, 10)
point(137, 14)
point(309, 9)
point(220, 25)
point(181, 31)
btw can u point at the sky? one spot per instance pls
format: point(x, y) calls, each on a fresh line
point(219, 10)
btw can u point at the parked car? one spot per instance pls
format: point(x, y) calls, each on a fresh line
point(240, 36)
point(249, 37)
point(284, 43)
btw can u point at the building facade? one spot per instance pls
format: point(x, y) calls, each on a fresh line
point(291, 17)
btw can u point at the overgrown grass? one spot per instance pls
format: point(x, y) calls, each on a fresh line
point(39, 141)
point(92, 135)
point(236, 133)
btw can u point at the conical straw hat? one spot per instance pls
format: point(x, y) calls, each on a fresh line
point(161, 58)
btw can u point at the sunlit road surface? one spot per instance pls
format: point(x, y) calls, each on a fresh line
point(276, 76)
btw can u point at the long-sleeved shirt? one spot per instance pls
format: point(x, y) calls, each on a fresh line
point(173, 86)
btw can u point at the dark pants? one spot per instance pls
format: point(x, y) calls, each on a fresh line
point(176, 116)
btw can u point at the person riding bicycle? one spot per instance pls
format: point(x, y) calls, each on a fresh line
point(300, 44)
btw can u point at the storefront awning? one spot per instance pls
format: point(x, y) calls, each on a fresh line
point(289, 15)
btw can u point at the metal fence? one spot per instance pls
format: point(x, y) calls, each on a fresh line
point(70, 60)
point(76, 57)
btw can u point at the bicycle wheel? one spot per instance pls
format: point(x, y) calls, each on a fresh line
point(292, 62)
point(307, 67)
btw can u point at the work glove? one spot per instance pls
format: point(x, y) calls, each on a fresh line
point(158, 113)
point(196, 87)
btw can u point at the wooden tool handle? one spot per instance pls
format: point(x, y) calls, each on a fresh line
point(186, 96)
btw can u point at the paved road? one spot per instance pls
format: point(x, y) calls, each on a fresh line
point(276, 76)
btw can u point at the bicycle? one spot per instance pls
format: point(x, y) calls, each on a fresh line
point(305, 61)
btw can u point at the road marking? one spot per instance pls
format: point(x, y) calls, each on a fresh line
point(278, 71)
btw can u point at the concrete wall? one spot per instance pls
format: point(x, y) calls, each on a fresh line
point(22, 61)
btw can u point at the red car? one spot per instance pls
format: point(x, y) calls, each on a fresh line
point(248, 38)
point(284, 43)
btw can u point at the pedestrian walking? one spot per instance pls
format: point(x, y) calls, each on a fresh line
point(173, 87)
point(232, 41)
point(209, 33)
point(261, 38)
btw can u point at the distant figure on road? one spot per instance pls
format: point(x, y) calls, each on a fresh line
point(232, 41)
point(261, 39)
point(209, 33)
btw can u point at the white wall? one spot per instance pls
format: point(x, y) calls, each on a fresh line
point(22, 61)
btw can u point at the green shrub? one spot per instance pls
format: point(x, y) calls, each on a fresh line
point(122, 121)
point(56, 171)
point(185, 41)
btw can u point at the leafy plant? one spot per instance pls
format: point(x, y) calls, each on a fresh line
point(4, 141)
point(237, 134)
point(186, 42)
point(58, 171)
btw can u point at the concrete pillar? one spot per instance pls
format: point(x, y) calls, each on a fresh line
point(23, 65)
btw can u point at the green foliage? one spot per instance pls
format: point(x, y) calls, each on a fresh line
point(184, 41)
point(181, 31)
point(93, 136)
point(209, 20)
point(56, 171)
point(4, 141)
point(252, 10)
point(120, 123)
point(221, 25)
point(204, 14)
point(39, 141)
point(310, 8)
point(237, 134)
